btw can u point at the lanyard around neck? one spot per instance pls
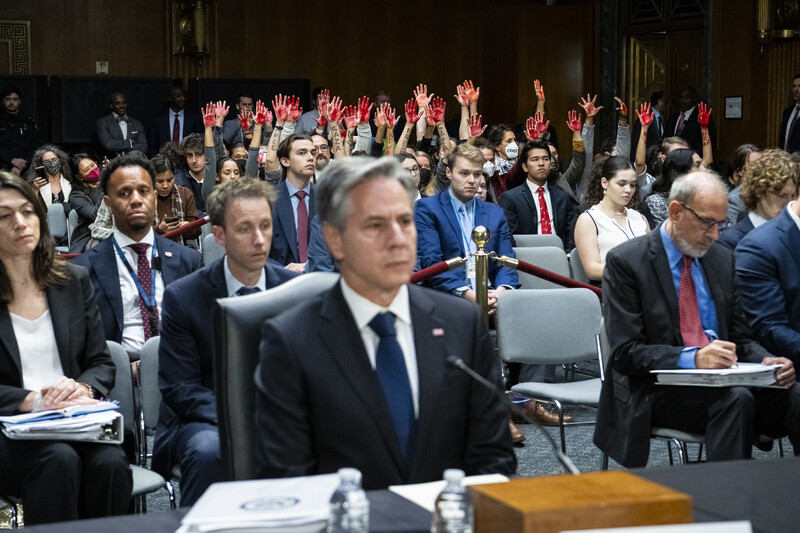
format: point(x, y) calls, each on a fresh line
point(149, 300)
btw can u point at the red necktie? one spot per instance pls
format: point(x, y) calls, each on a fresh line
point(544, 215)
point(302, 226)
point(176, 130)
point(681, 122)
point(691, 325)
point(144, 274)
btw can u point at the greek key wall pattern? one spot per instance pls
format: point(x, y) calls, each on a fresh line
point(15, 35)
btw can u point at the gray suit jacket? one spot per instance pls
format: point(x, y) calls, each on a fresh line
point(111, 139)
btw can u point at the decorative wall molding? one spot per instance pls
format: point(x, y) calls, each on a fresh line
point(17, 35)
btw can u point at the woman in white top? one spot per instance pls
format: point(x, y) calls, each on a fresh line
point(612, 218)
point(52, 355)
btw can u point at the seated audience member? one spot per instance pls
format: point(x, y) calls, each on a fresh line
point(409, 162)
point(129, 297)
point(118, 133)
point(670, 301)
point(444, 230)
point(53, 356)
point(50, 175)
point(174, 123)
point(609, 222)
point(239, 152)
point(506, 152)
point(294, 207)
point(536, 206)
point(358, 388)
point(193, 176)
point(19, 134)
point(187, 431)
point(217, 170)
point(768, 185)
point(175, 205)
point(647, 174)
point(86, 198)
point(678, 163)
point(484, 191)
point(768, 272)
point(745, 154)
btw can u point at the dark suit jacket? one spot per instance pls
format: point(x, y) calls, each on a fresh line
point(159, 132)
point(320, 405)
point(110, 136)
point(731, 236)
point(185, 372)
point(284, 233)
point(794, 141)
point(519, 206)
point(81, 346)
point(640, 307)
point(691, 131)
point(102, 264)
point(768, 271)
point(439, 239)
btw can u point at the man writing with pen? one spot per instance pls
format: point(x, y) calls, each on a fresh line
point(670, 301)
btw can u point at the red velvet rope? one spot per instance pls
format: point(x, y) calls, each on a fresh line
point(556, 278)
point(188, 227)
point(431, 271)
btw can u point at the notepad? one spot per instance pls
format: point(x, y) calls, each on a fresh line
point(742, 375)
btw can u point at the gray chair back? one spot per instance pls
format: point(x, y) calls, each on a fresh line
point(123, 386)
point(238, 323)
point(57, 220)
point(549, 326)
point(547, 257)
point(576, 267)
point(603, 349)
point(212, 250)
point(532, 241)
point(72, 223)
point(148, 384)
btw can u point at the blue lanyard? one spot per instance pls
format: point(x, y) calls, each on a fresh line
point(149, 300)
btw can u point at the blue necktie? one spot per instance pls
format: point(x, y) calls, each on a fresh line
point(390, 366)
point(244, 291)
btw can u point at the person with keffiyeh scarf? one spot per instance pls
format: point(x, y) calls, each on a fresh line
point(172, 202)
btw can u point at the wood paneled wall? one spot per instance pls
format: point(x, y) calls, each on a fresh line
point(354, 48)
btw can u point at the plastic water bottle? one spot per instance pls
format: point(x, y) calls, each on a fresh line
point(453, 511)
point(349, 504)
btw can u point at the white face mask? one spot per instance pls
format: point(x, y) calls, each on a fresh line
point(512, 150)
point(488, 168)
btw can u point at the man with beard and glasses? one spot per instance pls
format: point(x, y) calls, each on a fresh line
point(670, 301)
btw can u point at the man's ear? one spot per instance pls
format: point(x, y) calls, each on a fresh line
point(674, 209)
point(334, 239)
point(219, 234)
point(447, 172)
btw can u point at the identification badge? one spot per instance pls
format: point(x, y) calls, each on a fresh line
point(470, 266)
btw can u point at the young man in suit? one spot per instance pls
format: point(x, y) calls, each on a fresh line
point(789, 134)
point(366, 383)
point(768, 270)
point(187, 433)
point(132, 267)
point(294, 208)
point(535, 207)
point(174, 123)
point(670, 301)
point(118, 133)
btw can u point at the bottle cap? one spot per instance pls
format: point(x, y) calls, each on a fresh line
point(453, 475)
point(353, 475)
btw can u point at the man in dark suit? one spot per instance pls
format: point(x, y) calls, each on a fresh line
point(187, 432)
point(670, 302)
point(173, 124)
point(535, 207)
point(768, 271)
point(789, 134)
point(366, 384)
point(118, 133)
point(294, 208)
point(131, 268)
point(684, 123)
point(444, 229)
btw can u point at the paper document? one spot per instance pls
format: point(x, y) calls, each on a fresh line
point(101, 426)
point(292, 504)
point(425, 494)
point(75, 410)
point(744, 374)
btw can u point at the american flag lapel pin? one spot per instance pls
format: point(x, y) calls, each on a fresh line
point(438, 332)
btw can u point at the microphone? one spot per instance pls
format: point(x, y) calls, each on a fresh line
point(566, 462)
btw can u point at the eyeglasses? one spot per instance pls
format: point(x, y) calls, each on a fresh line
point(414, 170)
point(706, 223)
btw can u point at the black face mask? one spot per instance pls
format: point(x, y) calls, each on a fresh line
point(52, 166)
point(424, 177)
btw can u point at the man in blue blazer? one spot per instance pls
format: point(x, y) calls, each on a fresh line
point(187, 432)
point(128, 184)
point(522, 205)
point(292, 223)
point(768, 269)
point(162, 129)
point(444, 229)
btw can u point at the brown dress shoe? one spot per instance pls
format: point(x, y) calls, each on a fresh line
point(516, 435)
point(541, 414)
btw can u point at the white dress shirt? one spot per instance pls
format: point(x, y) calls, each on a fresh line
point(793, 214)
point(686, 115)
point(756, 219)
point(132, 327)
point(123, 125)
point(535, 192)
point(364, 311)
point(233, 285)
point(38, 351)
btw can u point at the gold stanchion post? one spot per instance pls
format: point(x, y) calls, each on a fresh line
point(480, 235)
